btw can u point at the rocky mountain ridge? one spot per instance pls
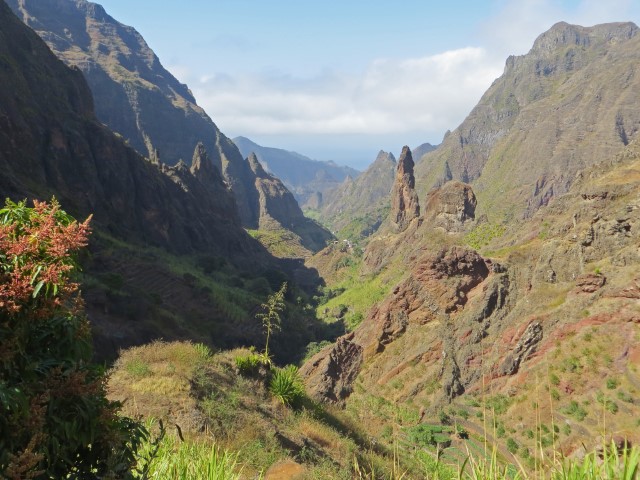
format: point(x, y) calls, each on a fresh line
point(137, 97)
point(169, 257)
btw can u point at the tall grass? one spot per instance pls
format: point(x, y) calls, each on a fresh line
point(613, 465)
point(174, 459)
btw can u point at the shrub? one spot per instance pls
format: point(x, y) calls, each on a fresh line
point(287, 386)
point(512, 445)
point(56, 420)
point(612, 383)
point(249, 365)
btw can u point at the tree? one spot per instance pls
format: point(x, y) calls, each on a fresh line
point(270, 315)
point(55, 419)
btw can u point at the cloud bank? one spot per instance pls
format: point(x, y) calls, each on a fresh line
point(431, 93)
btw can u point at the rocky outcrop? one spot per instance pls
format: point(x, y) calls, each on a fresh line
point(203, 168)
point(404, 199)
point(451, 206)
point(330, 373)
point(589, 283)
point(523, 349)
point(436, 289)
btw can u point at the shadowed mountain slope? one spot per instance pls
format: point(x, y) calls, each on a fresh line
point(168, 257)
point(136, 96)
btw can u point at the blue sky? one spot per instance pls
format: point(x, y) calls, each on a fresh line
point(340, 80)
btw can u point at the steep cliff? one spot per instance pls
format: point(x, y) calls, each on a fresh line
point(134, 94)
point(278, 210)
point(404, 199)
point(52, 144)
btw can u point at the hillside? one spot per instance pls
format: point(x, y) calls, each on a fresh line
point(309, 180)
point(505, 300)
point(138, 98)
point(564, 106)
point(480, 336)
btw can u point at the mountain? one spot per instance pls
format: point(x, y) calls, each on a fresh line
point(551, 307)
point(308, 179)
point(169, 257)
point(356, 208)
point(510, 298)
point(567, 104)
point(136, 96)
point(421, 150)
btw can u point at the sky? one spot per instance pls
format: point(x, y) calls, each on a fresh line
point(341, 80)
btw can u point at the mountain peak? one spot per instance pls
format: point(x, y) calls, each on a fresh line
point(256, 166)
point(385, 157)
point(565, 34)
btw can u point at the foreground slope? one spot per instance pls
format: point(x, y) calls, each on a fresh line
point(567, 104)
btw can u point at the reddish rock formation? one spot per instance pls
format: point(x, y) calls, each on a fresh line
point(589, 283)
point(404, 199)
point(437, 287)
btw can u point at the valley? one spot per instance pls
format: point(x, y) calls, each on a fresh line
point(464, 310)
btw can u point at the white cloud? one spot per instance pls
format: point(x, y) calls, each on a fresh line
point(431, 93)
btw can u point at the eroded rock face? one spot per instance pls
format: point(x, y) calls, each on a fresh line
point(436, 289)
point(330, 373)
point(451, 206)
point(523, 349)
point(404, 199)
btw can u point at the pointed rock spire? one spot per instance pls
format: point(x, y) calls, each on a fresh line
point(256, 166)
point(202, 167)
point(404, 199)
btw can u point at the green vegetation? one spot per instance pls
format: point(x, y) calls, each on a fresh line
point(483, 234)
point(281, 243)
point(286, 385)
point(270, 315)
point(56, 421)
point(168, 457)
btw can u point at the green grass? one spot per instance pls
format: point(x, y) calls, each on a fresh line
point(482, 235)
point(358, 294)
point(173, 459)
